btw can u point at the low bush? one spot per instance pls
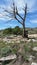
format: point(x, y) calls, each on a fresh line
point(5, 51)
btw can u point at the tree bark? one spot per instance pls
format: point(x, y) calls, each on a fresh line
point(23, 31)
point(25, 35)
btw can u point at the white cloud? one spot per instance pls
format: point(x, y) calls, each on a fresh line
point(4, 17)
point(31, 4)
point(20, 4)
point(34, 21)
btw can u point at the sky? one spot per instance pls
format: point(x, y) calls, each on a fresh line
point(31, 17)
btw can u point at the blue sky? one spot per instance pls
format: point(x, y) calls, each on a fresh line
point(31, 19)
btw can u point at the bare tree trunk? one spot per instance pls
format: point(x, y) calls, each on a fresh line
point(25, 35)
point(23, 30)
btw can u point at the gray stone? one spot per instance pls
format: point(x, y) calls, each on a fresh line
point(10, 57)
point(35, 49)
point(31, 58)
point(33, 63)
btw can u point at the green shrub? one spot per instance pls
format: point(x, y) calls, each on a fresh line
point(17, 30)
point(5, 51)
point(15, 49)
point(26, 48)
point(25, 52)
point(7, 31)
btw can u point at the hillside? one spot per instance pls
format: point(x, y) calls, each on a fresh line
point(24, 49)
point(19, 31)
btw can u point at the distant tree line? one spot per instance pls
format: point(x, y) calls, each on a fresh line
point(17, 31)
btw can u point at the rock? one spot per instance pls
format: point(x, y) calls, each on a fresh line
point(33, 63)
point(35, 49)
point(7, 58)
point(31, 58)
point(18, 41)
point(34, 40)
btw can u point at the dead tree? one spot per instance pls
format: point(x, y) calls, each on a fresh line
point(15, 13)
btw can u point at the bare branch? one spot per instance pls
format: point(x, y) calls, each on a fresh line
point(19, 16)
point(8, 12)
point(18, 13)
point(16, 10)
point(10, 16)
point(18, 21)
point(25, 10)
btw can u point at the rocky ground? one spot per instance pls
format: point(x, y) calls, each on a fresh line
point(27, 52)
